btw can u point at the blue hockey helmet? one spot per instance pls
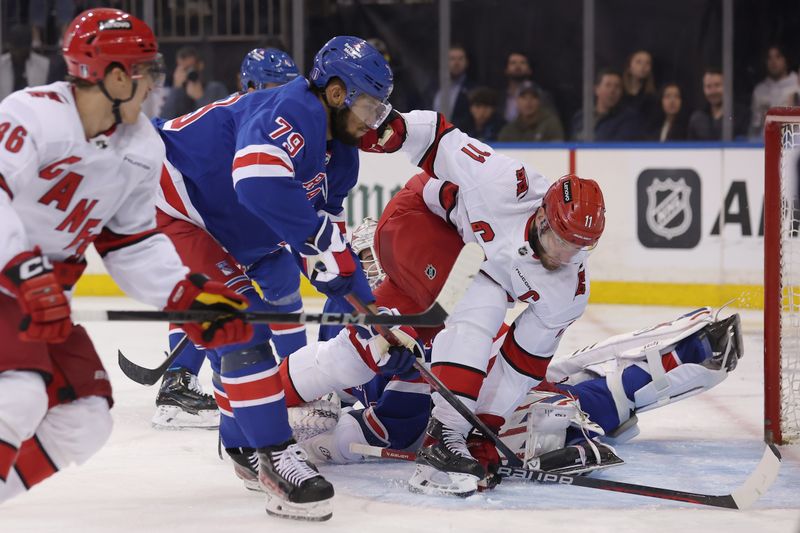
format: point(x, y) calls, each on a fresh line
point(267, 65)
point(365, 73)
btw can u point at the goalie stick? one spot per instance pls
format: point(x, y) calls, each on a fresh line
point(760, 479)
point(464, 269)
point(466, 266)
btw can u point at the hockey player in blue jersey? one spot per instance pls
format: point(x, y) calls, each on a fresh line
point(181, 401)
point(265, 68)
point(245, 176)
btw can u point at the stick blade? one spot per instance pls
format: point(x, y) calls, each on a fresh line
point(466, 267)
point(139, 374)
point(760, 479)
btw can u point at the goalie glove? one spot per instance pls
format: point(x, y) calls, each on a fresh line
point(331, 265)
point(197, 291)
point(45, 308)
point(388, 137)
point(387, 359)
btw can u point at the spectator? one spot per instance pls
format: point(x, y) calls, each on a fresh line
point(640, 87)
point(705, 124)
point(672, 120)
point(405, 95)
point(189, 88)
point(613, 120)
point(485, 122)
point(21, 67)
point(775, 90)
point(39, 10)
point(458, 110)
point(534, 123)
point(518, 70)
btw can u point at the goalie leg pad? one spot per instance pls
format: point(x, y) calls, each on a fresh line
point(319, 416)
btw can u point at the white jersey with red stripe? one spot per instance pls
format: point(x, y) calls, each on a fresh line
point(61, 192)
point(495, 200)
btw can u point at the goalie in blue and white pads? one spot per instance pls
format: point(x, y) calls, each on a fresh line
point(597, 391)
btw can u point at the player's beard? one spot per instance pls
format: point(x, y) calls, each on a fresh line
point(339, 119)
point(538, 249)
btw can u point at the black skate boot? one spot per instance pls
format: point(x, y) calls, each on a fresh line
point(181, 403)
point(444, 464)
point(245, 466)
point(725, 337)
point(294, 487)
point(582, 458)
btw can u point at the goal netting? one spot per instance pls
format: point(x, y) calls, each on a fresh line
point(782, 276)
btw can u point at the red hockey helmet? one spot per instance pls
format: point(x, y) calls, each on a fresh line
point(99, 37)
point(575, 210)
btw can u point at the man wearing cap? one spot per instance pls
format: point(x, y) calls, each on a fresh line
point(534, 122)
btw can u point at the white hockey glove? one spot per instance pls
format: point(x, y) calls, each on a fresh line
point(385, 358)
point(331, 265)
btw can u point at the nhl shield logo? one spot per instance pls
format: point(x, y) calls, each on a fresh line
point(669, 206)
point(430, 271)
point(668, 211)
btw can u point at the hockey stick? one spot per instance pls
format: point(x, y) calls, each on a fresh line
point(149, 376)
point(446, 393)
point(741, 498)
point(464, 269)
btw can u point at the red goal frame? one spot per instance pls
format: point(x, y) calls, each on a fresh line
point(773, 433)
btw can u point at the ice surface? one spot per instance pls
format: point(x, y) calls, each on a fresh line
point(173, 481)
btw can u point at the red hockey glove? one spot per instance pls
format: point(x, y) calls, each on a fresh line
point(389, 136)
point(199, 292)
point(44, 305)
point(485, 452)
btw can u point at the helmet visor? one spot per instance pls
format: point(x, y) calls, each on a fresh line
point(371, 110)
point(556, 248)
point(155, 70)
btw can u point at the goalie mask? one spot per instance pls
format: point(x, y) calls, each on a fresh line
point(363, 240)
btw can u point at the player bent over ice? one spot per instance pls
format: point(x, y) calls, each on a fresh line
point(181, 401)
point(600, 389)
point(80, 165)
point(243, 177)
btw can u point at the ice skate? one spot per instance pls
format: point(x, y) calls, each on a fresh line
point(294, 487)
point(245, 466)
point(725, 337)
point(444, 464)
point(181, 403)
point(582, 458)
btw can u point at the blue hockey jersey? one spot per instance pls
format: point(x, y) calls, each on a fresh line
point(257, 167)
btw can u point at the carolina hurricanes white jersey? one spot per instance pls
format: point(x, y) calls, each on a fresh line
point(493, 205)
point(62, 192)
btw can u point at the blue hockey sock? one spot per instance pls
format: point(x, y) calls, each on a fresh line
point(190, 358)
point(254, 393)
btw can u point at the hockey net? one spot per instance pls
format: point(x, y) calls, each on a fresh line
point(782, 276)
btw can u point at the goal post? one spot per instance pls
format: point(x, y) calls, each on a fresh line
point(782, 275)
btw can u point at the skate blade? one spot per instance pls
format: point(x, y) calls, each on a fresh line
point(312, 512)
point(173, 417)
point(428, 480)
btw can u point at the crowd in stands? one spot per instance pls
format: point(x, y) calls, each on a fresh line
point(630, 105)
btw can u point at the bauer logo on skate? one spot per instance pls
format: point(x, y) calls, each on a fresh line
point(669, 208)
